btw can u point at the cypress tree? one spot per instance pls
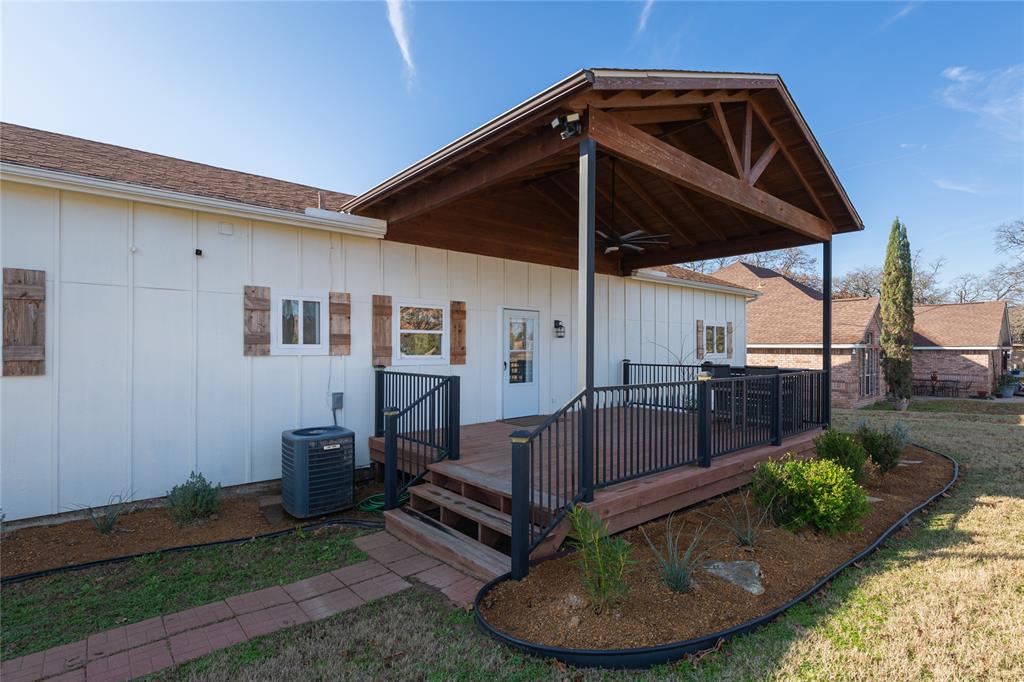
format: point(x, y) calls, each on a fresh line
point(897, 312)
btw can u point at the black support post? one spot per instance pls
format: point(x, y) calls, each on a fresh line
point(625, 371)
point(390, 457)
point(520, 504)
point(777, 409)
point(826, 332)
point(587, 227)
point(378, 400)
point(704, 419)
point(454, 417)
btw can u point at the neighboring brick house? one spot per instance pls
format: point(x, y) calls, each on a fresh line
point(784, 330)
point(960, 348)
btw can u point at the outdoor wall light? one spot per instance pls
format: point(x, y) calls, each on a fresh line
point(570, 124)
point(559, 329)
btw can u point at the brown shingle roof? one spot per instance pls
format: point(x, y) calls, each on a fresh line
point(52, 151)
point(676, 272)
point(963, 325)
point(789, 312)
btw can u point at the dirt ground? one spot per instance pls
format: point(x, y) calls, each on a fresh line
point(147, 530)
point(549, 605)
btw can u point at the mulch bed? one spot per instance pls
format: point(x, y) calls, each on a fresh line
point(549, 606)
point(38, 548)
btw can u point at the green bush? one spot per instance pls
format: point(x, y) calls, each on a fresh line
point(819, 493)
point(677, 567)
point(603, 561)
point(884, 447)
point(193, 500)
point(843, 449)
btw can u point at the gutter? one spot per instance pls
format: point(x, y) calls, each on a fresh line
point(332, 221)
point(661, 278)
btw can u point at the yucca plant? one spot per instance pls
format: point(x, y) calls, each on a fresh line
point(745, 523)
point(603, 560)
point(105, 518)
point(677, 568)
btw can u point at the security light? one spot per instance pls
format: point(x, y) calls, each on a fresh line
point(571, 125)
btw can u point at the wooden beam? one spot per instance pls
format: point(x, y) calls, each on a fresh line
point(683, 112)
point(552, 202)
point(748, 130)
point(735, 247)
point(666, 98)
point(514, 158)
point(762, 162)
point(789, 157)
point(652, 203)
point(730, 145)
point(662, 158)
point(570, 195)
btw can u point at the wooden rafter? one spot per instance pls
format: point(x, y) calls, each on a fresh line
point(753, 244)
point(747, 135)
point(652, 203)
point(570, 196)
point(726, 134)
point(697, 213)
point(682, 112)
point(789, 157)
point(762, 162)
point(516, 157)
point(649, 152)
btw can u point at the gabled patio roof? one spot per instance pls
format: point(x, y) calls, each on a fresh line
point(723, 163)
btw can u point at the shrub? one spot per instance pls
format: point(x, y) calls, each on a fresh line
point(105, 518)
point(677, 569)
point(819, 493)
point(744, 524)
point(843, 449)
point(603, 561)
point(193, 500)
point(885, 446)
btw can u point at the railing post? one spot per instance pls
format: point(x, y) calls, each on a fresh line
point(390, 457)
point(777, 409)
point(454, 418)
point(520, 504)
point(378, 400)
point(704, 418)
point(586, 441)
point(625, 371)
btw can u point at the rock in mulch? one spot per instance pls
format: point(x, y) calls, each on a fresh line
point(907, 462)
point(874, 499)
point(745, 574)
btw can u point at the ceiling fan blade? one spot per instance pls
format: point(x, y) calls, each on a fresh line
point(604, 236)
point(633, 246)
point(633, 235)
point(648, 237)
point(611, 249)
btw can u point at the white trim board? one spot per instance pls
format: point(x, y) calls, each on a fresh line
point(803, 346)
point(345, 223)
point(662, 278)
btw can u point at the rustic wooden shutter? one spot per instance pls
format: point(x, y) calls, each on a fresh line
point(700, 339)
point(341, 323)
point(381, 330)
point(256, 321)
point(24, 340)
point(728, 339)
point(457, 351)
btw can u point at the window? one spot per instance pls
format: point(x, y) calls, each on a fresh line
point(298, 323)
point(421, 332)
point(714, 338)
point(868, 367)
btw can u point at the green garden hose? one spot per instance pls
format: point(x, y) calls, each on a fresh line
point(375, 503)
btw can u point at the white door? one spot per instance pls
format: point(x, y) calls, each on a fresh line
point(520, 392)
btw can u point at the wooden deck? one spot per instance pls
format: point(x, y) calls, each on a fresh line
point(462, 512)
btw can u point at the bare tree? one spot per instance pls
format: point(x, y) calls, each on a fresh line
point(1010, 237)
point(967, 288)
point(865, 281)
point(794, 263)
point(927, 280)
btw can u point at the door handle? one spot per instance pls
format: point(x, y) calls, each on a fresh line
point(505, 363)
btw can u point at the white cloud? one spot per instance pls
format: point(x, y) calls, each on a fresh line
point(955, 186)
point(996, 97)
point(899, 14)
point(398, 17)
point(919, 146)
point(645, 14)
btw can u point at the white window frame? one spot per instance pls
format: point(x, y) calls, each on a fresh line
point(396, 339)
point(320, 296)
point(711, 352)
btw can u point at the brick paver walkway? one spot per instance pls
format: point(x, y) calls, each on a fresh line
point(139, 649)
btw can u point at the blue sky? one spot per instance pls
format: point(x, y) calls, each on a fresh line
point(919, 106)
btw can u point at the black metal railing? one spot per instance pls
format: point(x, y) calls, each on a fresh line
point(423, 430)
point(547, 477)
point(617, 433)
point(643, 429)
point(657, 373)
point(399, 390)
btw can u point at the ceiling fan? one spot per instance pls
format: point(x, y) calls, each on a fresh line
point(637, 240)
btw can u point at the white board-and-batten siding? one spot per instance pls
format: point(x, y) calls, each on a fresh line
point(145, 374)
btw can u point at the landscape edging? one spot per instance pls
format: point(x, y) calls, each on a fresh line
point(645, 657)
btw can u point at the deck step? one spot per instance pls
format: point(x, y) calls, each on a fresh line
point(446, 544)
point(477, 512)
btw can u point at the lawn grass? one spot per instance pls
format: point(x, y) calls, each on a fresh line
point(46, 612)
point(943, 599)
point(938, 405)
